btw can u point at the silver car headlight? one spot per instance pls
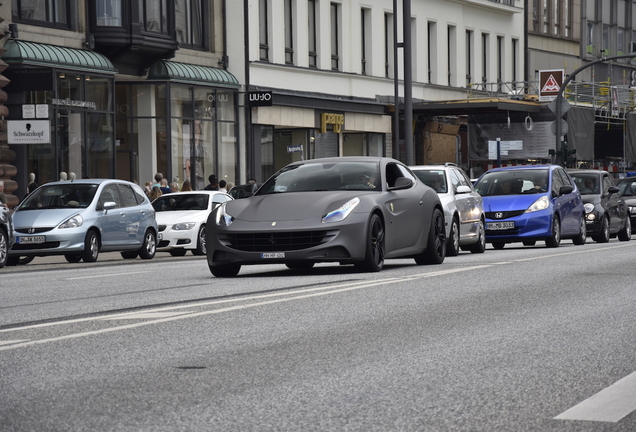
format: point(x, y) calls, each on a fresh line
point(589, 208)
point(342, 212)
point(183, 226)
point(72, 222)
point(540, 204)
point(222, 217)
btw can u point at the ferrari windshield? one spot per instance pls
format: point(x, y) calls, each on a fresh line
point(78, 195)
point(316, 176)
point(513, 182)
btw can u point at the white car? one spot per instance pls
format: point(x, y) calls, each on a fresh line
point(463, 208)
point(181, 217)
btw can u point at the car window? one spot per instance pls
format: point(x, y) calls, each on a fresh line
point(557, 182)
point(220, 198)
point(109, 194)
point(456, 182)
point(588, 183)
point(435, 179)
point(395, 171)
point(513, 182)
point(463, 178)
point(606, 184)
point(627, 188)
point(127, 195)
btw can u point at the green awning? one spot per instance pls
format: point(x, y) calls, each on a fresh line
point(189, 73)
point(39, 54)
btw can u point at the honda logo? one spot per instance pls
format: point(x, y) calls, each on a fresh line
point(31, 230)
point(498, 215)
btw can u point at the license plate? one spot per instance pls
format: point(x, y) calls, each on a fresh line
point(30, 240)
point(493, 226)
point(273, 255)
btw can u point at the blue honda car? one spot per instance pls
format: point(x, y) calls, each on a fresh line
point(531, 203)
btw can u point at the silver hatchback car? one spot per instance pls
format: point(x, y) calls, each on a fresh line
point(80, 218)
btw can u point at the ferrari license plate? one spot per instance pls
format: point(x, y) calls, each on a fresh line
point(499, 225)
point(273, 255)
point(30, 240)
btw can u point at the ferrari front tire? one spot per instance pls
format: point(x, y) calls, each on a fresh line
point(374, 256)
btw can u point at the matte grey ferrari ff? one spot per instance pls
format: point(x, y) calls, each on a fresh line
point(347, 210)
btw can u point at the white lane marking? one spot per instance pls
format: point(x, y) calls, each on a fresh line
point(578, 251)
point(303, 295)
point(9, 342)
point(608, 405)
point(106, 275)
point(146, 315)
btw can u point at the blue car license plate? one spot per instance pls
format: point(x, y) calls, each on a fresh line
point(30, 240)
point(494, 226)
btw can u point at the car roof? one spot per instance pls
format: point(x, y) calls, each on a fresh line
point(376, 159)
point(586, 171)
point(520, 167)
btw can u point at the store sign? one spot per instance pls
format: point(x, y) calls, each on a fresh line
point(74, 103)
point(550, 82)
point(295, 149)
point(260, 98)
point(336, 120)
point(28, 132)
point(30, 111)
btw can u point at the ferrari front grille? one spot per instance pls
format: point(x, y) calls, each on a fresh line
point(277, 241)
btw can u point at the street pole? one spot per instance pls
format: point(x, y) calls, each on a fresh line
point(396, 86)
point(561, 147)
point(408, 83)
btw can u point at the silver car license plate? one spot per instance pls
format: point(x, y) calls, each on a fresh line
point(493, 226)
point(273, 255)
point(30, 240)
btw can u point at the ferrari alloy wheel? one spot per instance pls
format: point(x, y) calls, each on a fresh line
point(91, 247)
point(149, 247)
point(582, 237)
point(202, 248)
point(480, 246)
point(626, 233)
point(435, 251)
point(555, 238)
point(452, 247)
point(374, 257)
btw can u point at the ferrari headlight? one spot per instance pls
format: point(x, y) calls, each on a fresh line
point(222, 217)
point(341, 213)
point(589, 208)
point(72, 222)
point(540, 204)
point(183, 226)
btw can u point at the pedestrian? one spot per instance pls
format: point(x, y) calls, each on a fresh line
point(222, 186)
point(158, 178)
point(214, 183)
point(164, 186)
point(174, 187)
point(3, 197)
point(186, 186)
point(32, 184)
point(155, 193)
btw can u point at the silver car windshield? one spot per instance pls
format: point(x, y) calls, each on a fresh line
point(513, 182)
point(331, 176)
point(72, 195)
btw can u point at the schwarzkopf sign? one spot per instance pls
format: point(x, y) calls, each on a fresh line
point(28, 131)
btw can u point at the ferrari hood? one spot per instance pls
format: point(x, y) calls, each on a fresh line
point(290, 206)
point(42, 218)
point(509, 202)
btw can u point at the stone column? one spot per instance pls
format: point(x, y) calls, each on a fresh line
point(7, 170)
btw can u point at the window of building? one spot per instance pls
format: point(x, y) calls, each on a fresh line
point(311, 33)
point(189, 22)
point(335, 36)
point(590, 37)
point(535, 15)
point(432, 52)
point(515, 61)
point(388, 45)
point(605, 45)
point(154, 16)
point(451, 55)
point(263, 25)
point(109, 13)
point(469, 57)
point(546, 17)
point(556, 18)
point(500, 62)
point(289, 33)
point(53, 13)
point(365, 35)
point(485, 57)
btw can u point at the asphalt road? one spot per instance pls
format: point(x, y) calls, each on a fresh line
point(523, 339)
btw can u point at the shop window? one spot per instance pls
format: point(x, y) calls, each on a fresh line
point(50, 13)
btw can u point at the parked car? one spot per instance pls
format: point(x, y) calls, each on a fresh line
point(7, 237)
point(606, 213)
point(627, 188)
point(243, 191)
point(531, 203)
point(463, 208)
point(349, 210)
point(81, 218)
point(182, 217)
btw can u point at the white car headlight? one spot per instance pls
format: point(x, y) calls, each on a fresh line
point(589, 208)
point(72, 222)
point(223, 218)
point(341, 213)
point(183, 226)
point(540, 204)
